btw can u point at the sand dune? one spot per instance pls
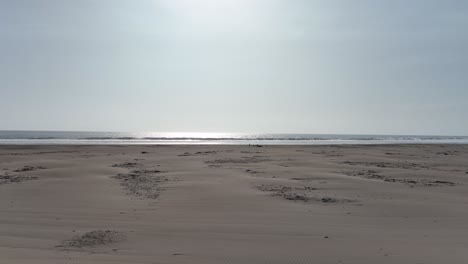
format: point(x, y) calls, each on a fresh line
point(234, 204)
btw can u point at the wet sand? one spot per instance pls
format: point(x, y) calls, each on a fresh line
point(234, 204)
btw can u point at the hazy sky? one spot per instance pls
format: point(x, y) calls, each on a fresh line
point(304, 66)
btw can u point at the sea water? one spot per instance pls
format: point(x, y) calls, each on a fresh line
point(101, 138)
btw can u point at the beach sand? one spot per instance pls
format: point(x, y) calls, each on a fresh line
point(234, 204)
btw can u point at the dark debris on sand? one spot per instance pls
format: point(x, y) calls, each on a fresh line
point(29, 168)
point(372, 174)
point(198, 153)
point(93, 239)
point(394, 165)
point(141, 182)
point(7, 178)
point(127, 165)
point(298, 194)
point(244, 160)
point(253, 171)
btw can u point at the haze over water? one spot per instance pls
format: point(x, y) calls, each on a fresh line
point(276, 66)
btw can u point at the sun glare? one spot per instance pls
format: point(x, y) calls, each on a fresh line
point(207, 4)
point(210, 3)
point(213, 15)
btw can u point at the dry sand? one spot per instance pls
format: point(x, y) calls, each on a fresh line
point(234, 204)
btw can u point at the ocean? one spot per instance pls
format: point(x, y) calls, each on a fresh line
point(131, 138)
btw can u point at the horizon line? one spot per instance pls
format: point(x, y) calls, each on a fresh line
point(237, 133)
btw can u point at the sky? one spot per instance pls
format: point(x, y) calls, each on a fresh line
point(252, 66)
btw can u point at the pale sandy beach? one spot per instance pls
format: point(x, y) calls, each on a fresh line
point(234, 204)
